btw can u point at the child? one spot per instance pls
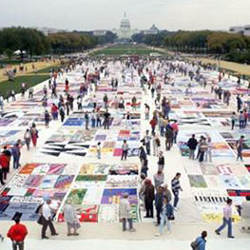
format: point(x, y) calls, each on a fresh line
point(98, 150)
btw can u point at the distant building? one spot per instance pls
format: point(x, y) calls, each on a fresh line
point(152, 31)
point(244, 30)
point(46, 31)
point(100, 32)
point(125, 31)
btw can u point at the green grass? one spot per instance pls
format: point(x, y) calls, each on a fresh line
point(119, 50)
point(15, 85)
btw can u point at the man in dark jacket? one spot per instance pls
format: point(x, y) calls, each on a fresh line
point(192, 144)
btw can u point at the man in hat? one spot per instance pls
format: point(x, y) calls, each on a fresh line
point(17, 233)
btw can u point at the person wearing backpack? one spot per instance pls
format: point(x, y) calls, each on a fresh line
point(200, 242)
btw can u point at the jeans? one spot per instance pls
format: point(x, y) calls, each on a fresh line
point(124, 154)
point(239, 154)
point(242, 123)
point(18, 245)
point(15, 163)
point(148, 148)
point(176, 198)
point(164, 219)
point(124, 223)
point(227, 222)
point(191, 154)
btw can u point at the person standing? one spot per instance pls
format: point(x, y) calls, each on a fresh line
point(169, 137)
point(86, 118)
point(15, 151)
point(200, 242)
point(158, 179)
point(34, 134)
point(98, 150)
point(62, 113)
point(125, 213)
point(149, 196)
point(71, 219)
point(203, 149)
point(161, 161)
point(47, 220)
point(17, 233)
point(46, 118)
point(124, 150)
point(176, 188)
point(175, 130)
point(239, 147)
point(106, 119)
point(192, 144)
point(27, 138)
point(227, 219)
point(147, 140)
point(233, 120)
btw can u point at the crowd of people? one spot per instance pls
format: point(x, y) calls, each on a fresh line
point(156, 196)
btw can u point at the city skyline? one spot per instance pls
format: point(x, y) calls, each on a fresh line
point(91, 15)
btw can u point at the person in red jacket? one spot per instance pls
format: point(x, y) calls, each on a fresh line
point(17, 234)
point(4, 163)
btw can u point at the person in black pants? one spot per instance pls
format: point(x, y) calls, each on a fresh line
point(149, 196)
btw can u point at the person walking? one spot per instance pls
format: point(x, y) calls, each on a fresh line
point(149, 196)
point(125, 213)
point(124, 150)
point(158, 204)
point(71, 219)
point(200, 242)
point(192, 144)
point(27, 138)
point(176, 188)
point(166, 215)
point(17, 233)
point(239, 147)
point(227, 219)
point(47, 220)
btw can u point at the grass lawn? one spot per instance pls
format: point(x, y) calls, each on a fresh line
point(118, 50)
point(30, 80)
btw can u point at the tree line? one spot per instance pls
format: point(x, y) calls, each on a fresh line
point(234, 47)
point(33, 42)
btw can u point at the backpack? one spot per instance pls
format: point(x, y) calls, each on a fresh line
point(194, 245)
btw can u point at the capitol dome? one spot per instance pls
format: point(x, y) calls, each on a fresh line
point(125, 23)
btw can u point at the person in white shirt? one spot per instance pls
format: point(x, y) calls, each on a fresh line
point(47, 220)
point(227, 219)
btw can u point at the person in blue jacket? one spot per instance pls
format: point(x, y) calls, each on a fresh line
point(201, 241)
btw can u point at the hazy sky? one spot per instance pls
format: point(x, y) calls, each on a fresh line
point(106, 14)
